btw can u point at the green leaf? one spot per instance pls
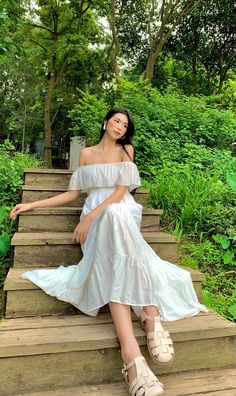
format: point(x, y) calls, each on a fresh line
point(232, 310)
point(228, 257)
point(207, 298)
point(223, 240)
point(4, 243)
point(231, 179)
point(234, 293)
point(3, 213)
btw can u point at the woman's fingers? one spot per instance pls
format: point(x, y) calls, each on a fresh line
point(79, 236)
point(15, 211)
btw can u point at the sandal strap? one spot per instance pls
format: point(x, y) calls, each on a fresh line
point(144, 377)
point(145, 316)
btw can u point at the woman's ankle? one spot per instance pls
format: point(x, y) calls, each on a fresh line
point(129, 351)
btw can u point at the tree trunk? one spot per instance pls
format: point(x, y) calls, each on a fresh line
point(194, 74)
point(223, 74)
point(115, 50)
point(47, 123)
point(209, 87)
point(153, 54)
point(167, 17)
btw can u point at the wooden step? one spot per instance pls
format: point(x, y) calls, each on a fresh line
point(47, 176)
point(56, 248)
point(194, 383)
point(54, 352)
point(35, 192)
point(24, 298)
point(66, 219)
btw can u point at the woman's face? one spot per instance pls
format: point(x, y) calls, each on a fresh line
point(117, 125)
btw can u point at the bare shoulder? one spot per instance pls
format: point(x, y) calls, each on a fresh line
point(128, 153)
point(85, 155)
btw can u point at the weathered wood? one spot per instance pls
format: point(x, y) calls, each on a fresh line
point(36, 193)
point(194, 383)
point(52, 255)
point(65, 219)
point(54, 249)
point(49, 171)
point(64, 238)
point(24, 298)
point(72, 355)
point(61, 337)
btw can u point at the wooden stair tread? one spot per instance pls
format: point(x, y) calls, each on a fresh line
point(62, 210)
point(65, 336)
point(199, 383)
point(63, 187)
point(64, 238)
point(49, 170)
point(14, 282)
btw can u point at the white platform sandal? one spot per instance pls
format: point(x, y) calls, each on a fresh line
point(145, 383)
point(159, 343)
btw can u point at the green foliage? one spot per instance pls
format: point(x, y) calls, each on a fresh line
point(12, 165)
point(227, 243)
point(87, 117)
point(219, 288)
point(200, 203)
point(177, 128)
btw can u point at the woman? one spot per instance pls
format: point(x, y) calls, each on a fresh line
point(118, 266)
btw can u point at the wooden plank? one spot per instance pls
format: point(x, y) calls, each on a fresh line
point(96, 336)
point(48, 170)
point(46, 187)
point(64, 238)
point(76, 368)
point(76, 320)
point(44, 256)
point(35, 193)
point(201, 382)
point(77, 211)
point(32, 196)
point(65, 219)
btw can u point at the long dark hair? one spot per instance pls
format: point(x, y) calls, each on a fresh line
point(128, 137)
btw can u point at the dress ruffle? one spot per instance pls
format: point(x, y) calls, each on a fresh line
point(105, 175)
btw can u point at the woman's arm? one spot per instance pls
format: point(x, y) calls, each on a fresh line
point(58, 200)
point(82, 229)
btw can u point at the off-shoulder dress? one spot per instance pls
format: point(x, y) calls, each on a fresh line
point(117, 265)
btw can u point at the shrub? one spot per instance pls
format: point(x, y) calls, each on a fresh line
point(12, 165)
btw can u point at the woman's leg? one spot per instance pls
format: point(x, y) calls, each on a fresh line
point(153, 311)
point(121, 315)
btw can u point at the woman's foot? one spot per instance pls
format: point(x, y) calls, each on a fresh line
point(159, 343)
point(145, 382)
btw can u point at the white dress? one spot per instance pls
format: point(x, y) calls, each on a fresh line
point(117, 265)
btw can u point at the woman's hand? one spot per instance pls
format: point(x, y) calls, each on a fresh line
point(82, 229)
point(19, 208)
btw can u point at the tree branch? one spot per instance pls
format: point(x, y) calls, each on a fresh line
point(40, 27)
point(40, 45)
point(55, 115)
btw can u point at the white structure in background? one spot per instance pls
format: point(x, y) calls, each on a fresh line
point(76, 145)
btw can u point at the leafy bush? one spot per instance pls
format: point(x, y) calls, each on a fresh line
point(87, 116)
point(219, 286)
point(195, 202)
point(12, 165)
